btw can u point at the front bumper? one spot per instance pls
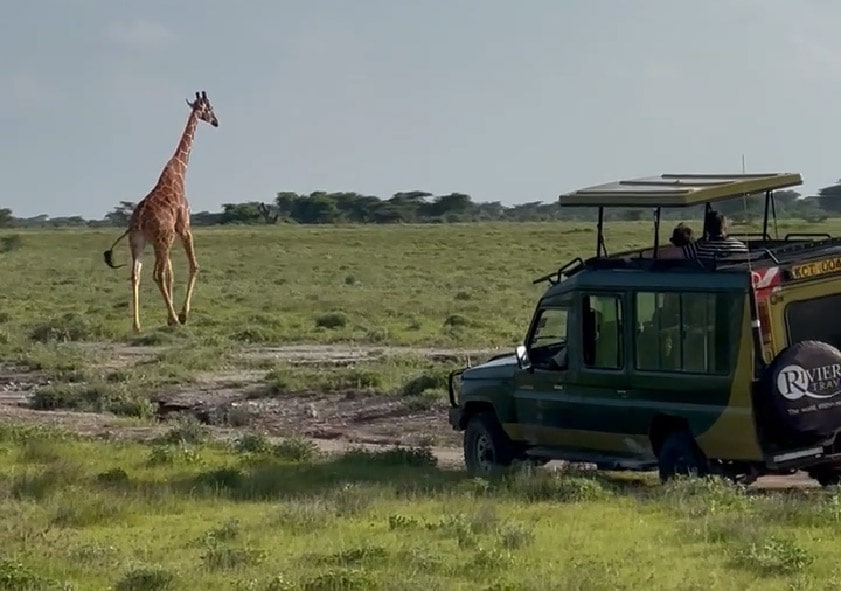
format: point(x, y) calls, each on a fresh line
point(456, 412)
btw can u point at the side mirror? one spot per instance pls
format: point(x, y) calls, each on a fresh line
point(522, 356)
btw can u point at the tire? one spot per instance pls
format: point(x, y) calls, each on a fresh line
point(826, 476)
point(810, 409)
point(486, 446)
point(679, 454)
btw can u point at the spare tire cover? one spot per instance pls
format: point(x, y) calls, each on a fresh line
point(805, 381)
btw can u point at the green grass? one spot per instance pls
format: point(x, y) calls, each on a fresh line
point(180, 513)
point(442, 285)
point(184, 512)
point(456, 284)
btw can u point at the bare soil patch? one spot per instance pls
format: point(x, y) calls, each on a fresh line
point(335, 421)
point(239, 398)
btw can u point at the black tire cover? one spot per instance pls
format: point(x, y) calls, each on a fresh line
point(805, 384)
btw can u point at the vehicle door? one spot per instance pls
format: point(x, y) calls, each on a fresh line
point(597, 391)
point(539, 385)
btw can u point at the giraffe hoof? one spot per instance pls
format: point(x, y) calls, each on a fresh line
point(182, 317)
point(171, 321)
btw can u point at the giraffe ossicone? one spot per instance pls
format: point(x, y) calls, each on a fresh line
point(161, 216)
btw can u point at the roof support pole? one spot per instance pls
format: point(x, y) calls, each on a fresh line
point(600, 233)
point(656, 231)
point(768, 202)
point(705, 228)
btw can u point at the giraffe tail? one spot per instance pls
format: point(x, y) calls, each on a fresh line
point(108, 255)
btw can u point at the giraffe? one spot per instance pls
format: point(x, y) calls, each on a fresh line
point(162, 215)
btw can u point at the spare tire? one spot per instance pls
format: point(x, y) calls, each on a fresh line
point(805, 386)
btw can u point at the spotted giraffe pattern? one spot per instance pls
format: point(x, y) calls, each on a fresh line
point(162, 215)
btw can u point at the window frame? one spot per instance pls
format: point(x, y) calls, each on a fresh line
point(711, 371)
point(622, 322)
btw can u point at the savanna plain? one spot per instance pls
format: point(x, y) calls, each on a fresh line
point(293, 435)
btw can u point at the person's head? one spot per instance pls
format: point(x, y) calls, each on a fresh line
point(681, 235)
point(717, 223)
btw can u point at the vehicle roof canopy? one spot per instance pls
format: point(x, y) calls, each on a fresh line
point(677, 190)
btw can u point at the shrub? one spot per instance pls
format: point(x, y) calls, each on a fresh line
point(331, 320)
point(146, 579)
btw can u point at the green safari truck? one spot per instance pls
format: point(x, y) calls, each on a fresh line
point(657, 359)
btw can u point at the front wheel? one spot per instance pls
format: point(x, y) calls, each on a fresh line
point(486, 446)
point(680, 455)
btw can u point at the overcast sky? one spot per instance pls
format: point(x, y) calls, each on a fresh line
point(509, 101)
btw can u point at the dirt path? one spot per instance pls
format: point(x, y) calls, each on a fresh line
point(233, 401)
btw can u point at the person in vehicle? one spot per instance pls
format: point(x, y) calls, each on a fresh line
point(681, 240)
point(719, 244)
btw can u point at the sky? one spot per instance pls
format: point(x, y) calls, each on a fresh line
point(505, 101)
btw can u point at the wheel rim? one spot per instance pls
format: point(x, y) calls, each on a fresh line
point(484, 453)
point(682, 465)
point(685, 465)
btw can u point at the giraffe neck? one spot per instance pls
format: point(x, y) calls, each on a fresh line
point(182, 151)
point(173, 174)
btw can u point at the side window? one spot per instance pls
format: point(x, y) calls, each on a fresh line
point(686, 332)
point(548, 344)
point(602, 332)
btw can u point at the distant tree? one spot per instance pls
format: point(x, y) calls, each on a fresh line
point(243, 213)
point(318, 208)
point(829, 199)
point(266, 212)
point(6, 217)
point(417, 206)
point(119, 216)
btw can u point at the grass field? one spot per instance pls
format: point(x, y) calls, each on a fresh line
point(458, 284)
point(179, 513)
point(401, 305)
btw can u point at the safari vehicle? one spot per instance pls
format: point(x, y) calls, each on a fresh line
point(636, 361)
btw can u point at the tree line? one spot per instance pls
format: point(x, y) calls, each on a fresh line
point(320, 207)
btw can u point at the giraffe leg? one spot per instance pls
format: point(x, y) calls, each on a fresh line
point(135, 289)
point(161, 278)
point(189, 249)
point(137, 245)
point(170, 279)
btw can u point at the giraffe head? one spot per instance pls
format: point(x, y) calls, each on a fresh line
point(203, 109)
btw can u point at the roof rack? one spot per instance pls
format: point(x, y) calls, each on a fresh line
point(677, 190)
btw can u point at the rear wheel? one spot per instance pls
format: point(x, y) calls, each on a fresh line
point(679, 454)
point(486, 446)
point(826, 475)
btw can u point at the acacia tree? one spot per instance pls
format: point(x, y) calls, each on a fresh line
point(119, 216)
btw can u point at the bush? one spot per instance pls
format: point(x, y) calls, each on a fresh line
point(428, 381)
point(331, 320)
point(92, 398)
point(70, 327)
point(146, 579)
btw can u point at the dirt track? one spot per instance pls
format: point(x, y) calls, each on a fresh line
point(336, 421)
